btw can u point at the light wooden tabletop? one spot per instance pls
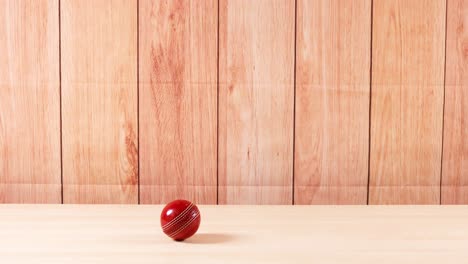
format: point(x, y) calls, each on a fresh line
point(235, 234)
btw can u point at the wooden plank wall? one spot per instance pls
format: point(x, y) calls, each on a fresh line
point(234, 101)
point(178, 100)
point(99, 101)
point(29, 102)
point(455, 155)
point(256, 101)
point(332, 101)
point(408, 50)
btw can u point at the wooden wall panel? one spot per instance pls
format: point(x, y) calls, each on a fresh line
point(455, 156)
point(332, 101)
point(407, 97)
point(99, 101)
point(29, 102)
point(256, 101)
point(178, 100)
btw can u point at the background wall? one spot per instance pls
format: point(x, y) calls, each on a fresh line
point(234, 101)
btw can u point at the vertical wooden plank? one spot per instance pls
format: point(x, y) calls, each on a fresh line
point(407, 101)
point(332, 101)
point(99, 101)
point(455, 156)
point(29, 102)
point(256, 98)
point(178, 100)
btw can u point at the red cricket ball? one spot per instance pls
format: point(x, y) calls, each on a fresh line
point(180, 219)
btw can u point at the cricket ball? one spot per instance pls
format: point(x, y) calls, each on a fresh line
point(180, 219)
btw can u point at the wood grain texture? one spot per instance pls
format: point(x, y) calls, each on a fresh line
point(29, 102)
point(256, 98)
point(332, 101)
point(407, 101)
point(99, 101)
point(455, 155)
point(104, 234)
point(178, 100)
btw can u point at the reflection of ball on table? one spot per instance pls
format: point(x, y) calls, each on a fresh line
point(180, 219)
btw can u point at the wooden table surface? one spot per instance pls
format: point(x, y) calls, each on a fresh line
point(235, 234)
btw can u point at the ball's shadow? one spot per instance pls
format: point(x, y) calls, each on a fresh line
point(210, 238)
